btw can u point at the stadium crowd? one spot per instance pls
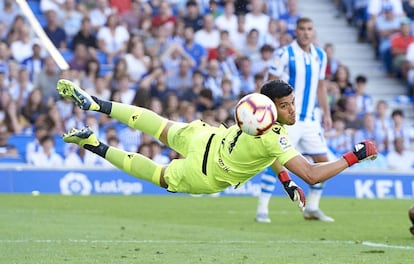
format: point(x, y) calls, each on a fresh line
point(185, 60)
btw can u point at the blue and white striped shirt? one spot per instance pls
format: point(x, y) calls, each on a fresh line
point(303, 70)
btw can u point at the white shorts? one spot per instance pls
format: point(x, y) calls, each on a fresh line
point(308, 138)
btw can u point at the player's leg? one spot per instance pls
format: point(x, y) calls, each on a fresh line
point(411, 216)
point(139, 118)
point(267, 186)
point(134, 164)
point(313, 144)
point(312, 210)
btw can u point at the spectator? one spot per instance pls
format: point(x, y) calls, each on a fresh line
point(272, 36)
point(80, 58)
point(247, 84)
point(72, 19)
point(172, 57)
point(86, 36)
point(22, 47)
point(195, 50)
point(138, 63)
point(228, 20)
point(333, 63)
point(375, 9)
point(7, 150)
point(368, 131)
point(8, 12)
point(213, 78)
point(288, 19)
point(197, 80)
point(251, 46)
point(127, 92)
point(91, 73)
point(208, 36)
point(52, 120)
point(80, 158)
point(228, 99)
point(398, 128)
point(180, 79)
point(23, 88)
point(120, 69)
point(100, 88)
point(341, 78)
point(132, 18)
point(399, 45)
point(364, 100)
point(387, 24)
point(410, 69)
point(35, 62)
point(14, 28)
point(400, 158)
point(275, 8)
point(239, 37)
point(76, 119)
point(338, 139)
point(99, 14)
point(263, 63)
point(164, 16)
point(156, 153)
point(46, 80)
point(353, 121)
point(55, 33)
point(256, 19)
point(34, 106)
point(130, 138)
point(383, 121)
point(192, 17)
point(55, 5)
point(34, 145)
point(46, 156)
point(112, 38)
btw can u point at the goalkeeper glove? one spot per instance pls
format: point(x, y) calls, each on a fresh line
point(362, 151)
point(292, 189)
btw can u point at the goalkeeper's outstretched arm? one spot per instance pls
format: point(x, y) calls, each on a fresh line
point(319, 172)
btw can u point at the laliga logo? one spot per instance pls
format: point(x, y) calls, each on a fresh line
point(75, 183)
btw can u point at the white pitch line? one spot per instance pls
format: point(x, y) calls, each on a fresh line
point(86, 241)
point(371, 244)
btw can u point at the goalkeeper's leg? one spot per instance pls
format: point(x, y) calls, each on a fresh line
point(132, 163)
point(136, 117)
point(411, 216)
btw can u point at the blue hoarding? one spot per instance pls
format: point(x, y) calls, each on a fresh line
point(90, 182)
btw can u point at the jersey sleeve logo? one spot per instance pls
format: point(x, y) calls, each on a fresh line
point(284, 143)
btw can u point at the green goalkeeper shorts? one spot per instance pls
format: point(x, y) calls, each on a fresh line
point(189, 175)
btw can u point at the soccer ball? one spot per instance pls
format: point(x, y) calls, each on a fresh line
point(255, 114)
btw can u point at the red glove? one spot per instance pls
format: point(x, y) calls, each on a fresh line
point(292, 189)
point(362, 151)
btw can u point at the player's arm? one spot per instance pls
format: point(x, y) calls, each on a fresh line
point(313, 173)
point(291, 188)
point(324, 105)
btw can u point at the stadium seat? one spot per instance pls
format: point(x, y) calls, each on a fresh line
point(101, 57)
point(35, 6)
point(42, 20)
point(67, 54)
point(12, 160)
point(20, 141)
point(105, 69)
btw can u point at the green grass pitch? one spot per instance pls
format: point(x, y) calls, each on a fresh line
point(183, 229)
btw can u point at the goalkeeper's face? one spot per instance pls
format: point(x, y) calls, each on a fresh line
point(286, 114)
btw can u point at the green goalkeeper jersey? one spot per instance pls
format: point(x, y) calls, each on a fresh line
point(237, 156)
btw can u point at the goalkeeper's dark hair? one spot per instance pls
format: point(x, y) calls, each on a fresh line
point(276, 89)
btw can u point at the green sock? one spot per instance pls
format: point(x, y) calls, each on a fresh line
point(135, 164)
point(139, 118)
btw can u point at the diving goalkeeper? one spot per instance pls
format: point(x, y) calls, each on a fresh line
point(214, 157)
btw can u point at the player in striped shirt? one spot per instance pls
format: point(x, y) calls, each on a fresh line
point(303, 66)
